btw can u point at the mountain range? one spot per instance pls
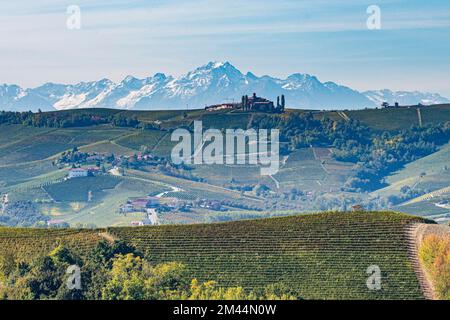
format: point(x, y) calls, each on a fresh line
point(213, 83)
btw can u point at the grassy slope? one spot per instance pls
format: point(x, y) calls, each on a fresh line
point(323, 256)
point(432, 165)
point(103, 211)
point(400, 118)
point(436, 178)
point(27, 244)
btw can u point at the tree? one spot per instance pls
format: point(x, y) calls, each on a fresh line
point(132, 278)
point(7, 265)
point(434, 255)
point(210, 291)
point(104, 253)
point(126, 279)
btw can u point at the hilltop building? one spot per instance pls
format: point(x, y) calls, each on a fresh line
point(256, 103)
point(386, 105)
point(253, 103)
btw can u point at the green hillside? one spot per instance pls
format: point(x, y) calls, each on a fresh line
point(321, 256)
point(426, 177)
point(378, 119)
point(320, 165)
point(434, 164)
point(29, 244)
point(400, 118)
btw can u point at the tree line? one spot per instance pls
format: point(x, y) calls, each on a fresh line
point(69, 119)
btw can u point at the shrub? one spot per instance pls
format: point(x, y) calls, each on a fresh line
point(434, 254)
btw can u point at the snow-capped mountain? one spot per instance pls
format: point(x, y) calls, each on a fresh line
point(404, 97)
point(212, 83)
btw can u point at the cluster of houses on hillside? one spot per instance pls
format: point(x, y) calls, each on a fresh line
point(148, 205)
point(151, 206)
point(140, 205)
point(253, 103)
point(80, 160)
point(210, 204)
point(117, 164)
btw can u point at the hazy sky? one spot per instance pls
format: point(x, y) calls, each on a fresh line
point(329, 39)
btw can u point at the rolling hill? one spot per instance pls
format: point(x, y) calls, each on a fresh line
point(319, 256)
point(430, 176)
point(311, 175)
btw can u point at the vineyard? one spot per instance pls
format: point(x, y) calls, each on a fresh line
point(27, 244)
point(142, 138)
point(319, 256)
point(313, 169)
point(194, 189)
point(322, 256)
point(230, 120)
point(399, 118)
point(78, 189)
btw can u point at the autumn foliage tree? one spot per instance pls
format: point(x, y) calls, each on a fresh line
point(434, 254)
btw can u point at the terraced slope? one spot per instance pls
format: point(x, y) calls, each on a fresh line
point(322, 256)
point(26, 244)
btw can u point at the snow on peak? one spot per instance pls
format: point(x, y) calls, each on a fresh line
point(404, 97)
point(216, 64)
point(69, 101)
point(129, 78)
point(212, 83)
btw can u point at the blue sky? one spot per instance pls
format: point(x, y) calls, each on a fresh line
point(278, 37)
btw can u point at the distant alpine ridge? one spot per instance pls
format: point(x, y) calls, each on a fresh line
point(213, 83)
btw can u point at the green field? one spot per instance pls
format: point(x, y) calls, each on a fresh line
point(430, 173)
point(400, 118)
point(424, 208)
point(319, 256)
point(194, 190)
point(312, 169)
point(229, 121)
point(45, 143)
point(322, 256)
point(108, 194)
point(78, 189)
point(141, 138)
point(27, 244)
point(433, 164)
